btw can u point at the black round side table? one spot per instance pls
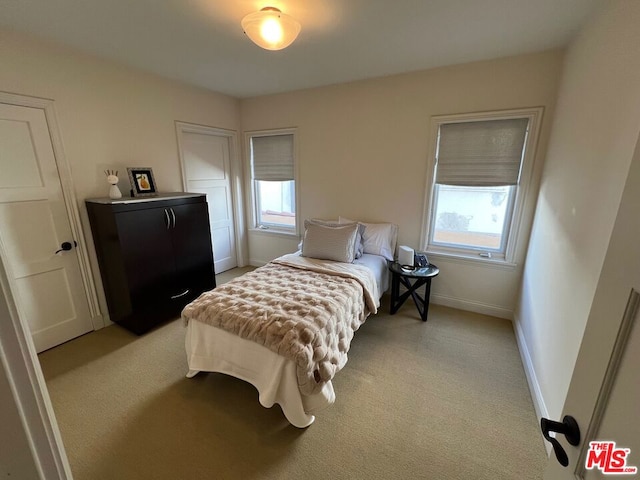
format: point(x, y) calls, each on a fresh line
point(412, 279)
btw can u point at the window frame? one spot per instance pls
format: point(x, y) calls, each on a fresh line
point(252, 185)
point(514, 223)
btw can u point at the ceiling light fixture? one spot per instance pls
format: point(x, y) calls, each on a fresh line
point(270, 28)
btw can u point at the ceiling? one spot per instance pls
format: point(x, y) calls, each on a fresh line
point(201, 42)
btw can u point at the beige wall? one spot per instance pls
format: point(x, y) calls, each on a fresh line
point(110, 116)
point(594, 134)
point(363, 146)
point(363, 151)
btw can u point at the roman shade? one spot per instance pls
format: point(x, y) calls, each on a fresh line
point(481, 153)
point(272, 157)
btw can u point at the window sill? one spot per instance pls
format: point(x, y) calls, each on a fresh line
point(274, 232)
point(462, 258)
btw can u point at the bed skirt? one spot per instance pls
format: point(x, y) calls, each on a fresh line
point(210, 349)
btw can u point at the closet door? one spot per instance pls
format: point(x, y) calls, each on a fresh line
point(206, 156)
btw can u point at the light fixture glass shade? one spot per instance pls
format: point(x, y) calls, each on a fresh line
point(270, 28)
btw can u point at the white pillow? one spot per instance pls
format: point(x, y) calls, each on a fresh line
point(379, 238)
point(359, 246)
point(317, 220)
point(330, 243)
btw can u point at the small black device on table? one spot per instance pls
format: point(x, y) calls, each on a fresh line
point(420, 274)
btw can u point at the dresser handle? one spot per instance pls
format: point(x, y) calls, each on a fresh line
point(180, 294)
point(166, 214)
point(174, 217)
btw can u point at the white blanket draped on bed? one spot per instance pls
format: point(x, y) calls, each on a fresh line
point(304, 309)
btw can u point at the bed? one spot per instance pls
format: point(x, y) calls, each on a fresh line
point(286, 327)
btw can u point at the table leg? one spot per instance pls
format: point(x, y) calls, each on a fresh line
point(427, 294)
point(422, 304)
point(395, 292)
point(413, 290)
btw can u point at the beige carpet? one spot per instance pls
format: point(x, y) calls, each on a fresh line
point(446, 399)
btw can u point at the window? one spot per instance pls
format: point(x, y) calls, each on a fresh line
point(272, 164)
point(481, 164)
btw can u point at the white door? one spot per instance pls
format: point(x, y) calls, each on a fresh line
point(604, 395)
point(207, 169)
point(34, 223)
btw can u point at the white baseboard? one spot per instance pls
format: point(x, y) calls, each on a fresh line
point(100, 321)
point(258, 263)
point(477, 307)
point(532, 380)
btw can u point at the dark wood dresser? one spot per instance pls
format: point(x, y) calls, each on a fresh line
point(155, 255)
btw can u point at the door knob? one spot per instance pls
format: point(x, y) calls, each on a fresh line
point(66, 246)
point(569, 428)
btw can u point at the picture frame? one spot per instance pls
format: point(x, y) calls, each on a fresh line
point(143, 184)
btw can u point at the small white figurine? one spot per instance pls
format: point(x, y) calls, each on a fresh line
point(112, 178)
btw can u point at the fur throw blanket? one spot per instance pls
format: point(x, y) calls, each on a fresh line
point(304, 309)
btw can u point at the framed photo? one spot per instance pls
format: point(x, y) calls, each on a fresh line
point(142, 182)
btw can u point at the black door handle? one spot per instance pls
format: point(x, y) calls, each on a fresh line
point(569, 428)
point(66, 246)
